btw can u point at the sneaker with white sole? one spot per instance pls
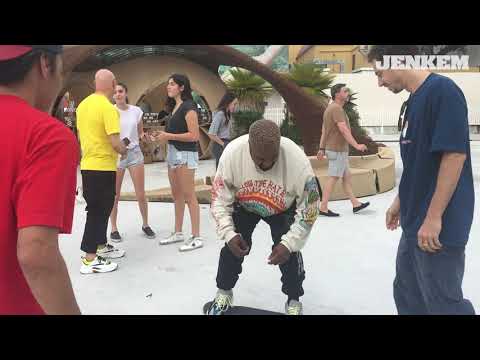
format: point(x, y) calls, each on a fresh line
point(192, 243)
point(115, 237)
point(110, 252)
point(148, 232)
point(173, 238)
point(222, 303)
point(97, 265)
point(293, 308)
point(79, 195)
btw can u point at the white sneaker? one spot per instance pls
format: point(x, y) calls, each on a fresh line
point(293, 308)
point(192, 243)
point(97, 265)
point(173, 238)
point(111, 252)
point(79, 195)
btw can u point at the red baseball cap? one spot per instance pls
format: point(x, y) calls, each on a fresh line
point(9, 52)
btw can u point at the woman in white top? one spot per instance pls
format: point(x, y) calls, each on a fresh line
point(131, 127)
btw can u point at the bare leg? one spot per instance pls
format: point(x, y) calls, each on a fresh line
point(177, 194)
point(332, 180)
point(118, 188)
point(188, 186)
point(137, 174)
point(347, 187)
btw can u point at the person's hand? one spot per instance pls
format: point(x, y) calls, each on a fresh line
point(321, 154)
point(162, 137)
point(279, 255)
point(238, 246)
point(361, 147)
point(153, 135)
point(428, 235)
point(393, 216)
point(123, 151)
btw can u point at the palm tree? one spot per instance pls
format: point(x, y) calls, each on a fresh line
point(312, 79)
point(251, 91)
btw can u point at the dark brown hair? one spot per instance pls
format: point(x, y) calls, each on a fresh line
point(224, 103)
point(180, 80)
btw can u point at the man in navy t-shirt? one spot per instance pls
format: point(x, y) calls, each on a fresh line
point(436, 196)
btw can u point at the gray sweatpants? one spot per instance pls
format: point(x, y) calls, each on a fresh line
point(430, 283)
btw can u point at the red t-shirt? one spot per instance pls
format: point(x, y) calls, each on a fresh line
point(38, 176)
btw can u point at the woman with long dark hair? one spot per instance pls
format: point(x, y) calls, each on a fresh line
point(182, 134)
point(131, 127)
point(219, 131)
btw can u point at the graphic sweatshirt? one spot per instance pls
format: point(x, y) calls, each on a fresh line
point(266, 193)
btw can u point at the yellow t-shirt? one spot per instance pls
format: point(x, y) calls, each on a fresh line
point(97, 118)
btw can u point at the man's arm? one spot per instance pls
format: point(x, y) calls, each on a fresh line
point(117, 144)
point(45, 271)
point(392, 217)
point(308, 205)
point(322, 141)
point(111, 118)
point(223, 197)
point(347, 134)
point(451, 167)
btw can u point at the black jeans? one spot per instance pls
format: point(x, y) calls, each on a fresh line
point(230, 267)
point(217, 150)
point(99, 193)
point(430, 283)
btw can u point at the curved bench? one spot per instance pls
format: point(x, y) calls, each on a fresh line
point(371, 174)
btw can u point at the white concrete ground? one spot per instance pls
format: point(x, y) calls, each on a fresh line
point(349, 261)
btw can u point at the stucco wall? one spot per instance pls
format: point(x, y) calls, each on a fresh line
point(144, 74)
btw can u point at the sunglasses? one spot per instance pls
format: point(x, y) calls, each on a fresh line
point(401, 117)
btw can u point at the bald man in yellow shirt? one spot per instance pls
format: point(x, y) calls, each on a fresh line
point(98, 125)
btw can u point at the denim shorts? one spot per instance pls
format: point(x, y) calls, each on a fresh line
point(177, 158)
point(134, 157)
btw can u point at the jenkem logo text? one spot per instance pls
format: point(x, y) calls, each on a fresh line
point(423, 62)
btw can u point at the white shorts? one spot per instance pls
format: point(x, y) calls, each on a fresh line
point(337, 163)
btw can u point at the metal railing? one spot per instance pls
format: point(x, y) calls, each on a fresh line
point(367, 119)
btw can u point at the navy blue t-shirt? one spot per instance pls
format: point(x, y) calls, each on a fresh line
point(436, 121)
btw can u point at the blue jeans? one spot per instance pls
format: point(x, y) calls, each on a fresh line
point(430, 283)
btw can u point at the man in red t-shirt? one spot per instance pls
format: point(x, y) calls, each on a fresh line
point(37, 183)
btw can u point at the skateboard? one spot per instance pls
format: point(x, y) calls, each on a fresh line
point(242, 310)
